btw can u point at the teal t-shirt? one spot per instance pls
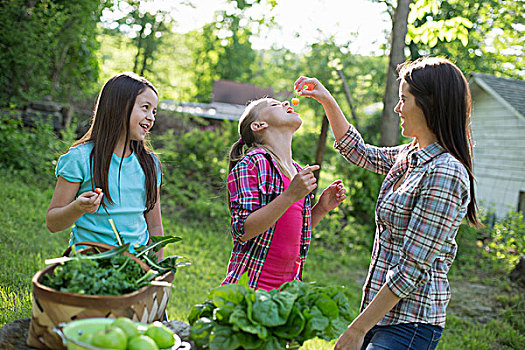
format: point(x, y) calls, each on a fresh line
point(127, 210)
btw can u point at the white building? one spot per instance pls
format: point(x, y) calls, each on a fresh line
point(498, 128)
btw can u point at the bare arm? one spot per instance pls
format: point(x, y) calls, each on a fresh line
point(154, 222)
point(263, 218)
point(353, 337)
point(330, 199)
point(64, 209)
point(317, 91)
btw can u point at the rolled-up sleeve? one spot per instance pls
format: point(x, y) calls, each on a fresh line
point(244, 195)
point(435, 218)
point(377, 159)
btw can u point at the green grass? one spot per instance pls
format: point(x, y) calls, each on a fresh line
point(26, 243)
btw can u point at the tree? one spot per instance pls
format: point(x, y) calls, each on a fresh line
point(224, 50)
point(47, 47)
point(485, 37)
point(146, 22)
point(389, 120)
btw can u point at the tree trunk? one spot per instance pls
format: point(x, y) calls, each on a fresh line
point(58, 68)
point(139, 48)
point(389, 119)
point(321, 146)
point(348, 98)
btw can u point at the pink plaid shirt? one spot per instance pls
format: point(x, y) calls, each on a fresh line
point(416, 225)
point(253, 183)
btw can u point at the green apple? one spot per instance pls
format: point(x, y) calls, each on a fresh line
point(110, 338)
point(142, 342)
point(85, 338)
point(128, 326)
point(142, 329)
point(161, 334)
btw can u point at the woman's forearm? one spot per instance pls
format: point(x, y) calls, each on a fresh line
point(336, 118)
point(382, 303)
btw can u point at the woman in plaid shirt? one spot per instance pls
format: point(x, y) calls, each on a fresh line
point(427, 191)
point(271, 213)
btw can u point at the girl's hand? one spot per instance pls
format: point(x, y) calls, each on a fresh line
point(313, 88)
point(332, 196)
point(88, 202)
point(351, 339)
point(302, 183)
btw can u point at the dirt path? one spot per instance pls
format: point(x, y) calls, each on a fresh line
point(473, 300)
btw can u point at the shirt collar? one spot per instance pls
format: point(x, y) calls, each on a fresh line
point(426, 154)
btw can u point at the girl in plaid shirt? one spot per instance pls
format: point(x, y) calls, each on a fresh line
point(269, 197)
point(427, 191)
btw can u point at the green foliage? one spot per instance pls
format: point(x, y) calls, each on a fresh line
point(224, 52)
point(116, 275)
point(365, 77)
point(222, 49)
point(482, 37)
point(145, 24)
point(341, 231)
point(195, 170)
point(111, 272)
point(432, 31)
point(507, 240)
point(237, 316)
point(499, 245)
point(362, 192)
point(48, 48)
point(30, 149)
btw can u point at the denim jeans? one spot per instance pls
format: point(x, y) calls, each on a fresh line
point(405, 336)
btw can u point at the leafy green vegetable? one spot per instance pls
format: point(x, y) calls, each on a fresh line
point(104, 276)
point(201, 330)
point(239, 317)
point(111, 272)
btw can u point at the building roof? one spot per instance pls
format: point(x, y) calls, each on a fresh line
point(214, 110)
point(229, 99)
point(233, 92)
point(510, 92)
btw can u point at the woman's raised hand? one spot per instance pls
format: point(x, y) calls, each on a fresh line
point(302, 183)
point(88, 202)
point(311, 87)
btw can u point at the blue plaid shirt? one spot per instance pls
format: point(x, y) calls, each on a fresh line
point(416, 225)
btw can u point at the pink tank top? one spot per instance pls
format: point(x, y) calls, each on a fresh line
point(282, 261)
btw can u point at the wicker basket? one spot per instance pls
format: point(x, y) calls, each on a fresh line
point(51, 307)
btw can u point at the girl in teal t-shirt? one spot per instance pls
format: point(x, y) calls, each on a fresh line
point(111, 172)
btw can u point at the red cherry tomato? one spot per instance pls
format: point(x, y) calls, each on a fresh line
point(98, 190)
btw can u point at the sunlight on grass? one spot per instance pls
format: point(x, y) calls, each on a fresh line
point(14, 304)
point(462, 333)
point(208, 251)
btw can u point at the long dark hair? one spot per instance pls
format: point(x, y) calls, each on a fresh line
point(112, 115)
point(442, 92)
